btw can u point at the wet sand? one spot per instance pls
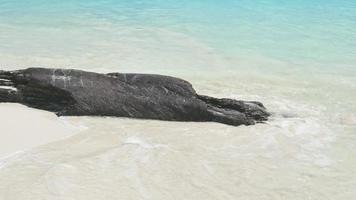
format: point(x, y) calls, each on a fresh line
point(23, 128)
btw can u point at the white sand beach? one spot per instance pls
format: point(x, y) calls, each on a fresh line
point(23, 128)
point(296, 57)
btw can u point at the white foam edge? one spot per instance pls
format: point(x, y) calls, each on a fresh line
point(8, 88)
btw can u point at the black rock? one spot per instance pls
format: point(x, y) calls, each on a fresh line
point(69, 92)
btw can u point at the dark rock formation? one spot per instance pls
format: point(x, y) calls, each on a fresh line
point(76, 93)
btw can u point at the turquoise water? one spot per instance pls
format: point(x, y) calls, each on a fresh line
point(300, 43)
point(297, 57)
point(321, 31)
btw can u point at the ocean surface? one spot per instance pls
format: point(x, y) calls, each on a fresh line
point(297, 57)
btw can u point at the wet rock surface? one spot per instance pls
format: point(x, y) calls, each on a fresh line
point(69, 92)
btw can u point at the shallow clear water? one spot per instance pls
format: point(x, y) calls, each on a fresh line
point(296, 57)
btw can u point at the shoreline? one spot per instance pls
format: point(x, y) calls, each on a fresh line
point(25, 128)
